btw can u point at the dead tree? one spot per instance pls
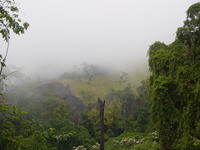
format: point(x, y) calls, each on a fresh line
point(101, 114)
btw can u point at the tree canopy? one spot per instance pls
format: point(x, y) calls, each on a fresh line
point(9, 21)
point(175, 85)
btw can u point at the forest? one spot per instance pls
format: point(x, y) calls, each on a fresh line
point(154, 109)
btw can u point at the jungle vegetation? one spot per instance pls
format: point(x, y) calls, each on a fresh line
point(160, 111)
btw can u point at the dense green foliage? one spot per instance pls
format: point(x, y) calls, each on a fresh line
point(175, 86)
point(60, 120)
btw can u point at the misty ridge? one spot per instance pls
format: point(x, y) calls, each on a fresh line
point(17, 75)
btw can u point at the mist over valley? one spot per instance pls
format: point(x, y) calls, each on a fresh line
point(99, 75)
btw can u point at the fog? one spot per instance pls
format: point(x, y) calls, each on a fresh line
point(112, 33)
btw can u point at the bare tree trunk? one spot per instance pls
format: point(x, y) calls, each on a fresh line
point(101, 113)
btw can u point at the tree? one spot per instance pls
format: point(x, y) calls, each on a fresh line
point(175, 86)
point(54, 108)
point(9, 21)
point(10, 115)
point(189, 34)
point(102, 128)
point(113, 118)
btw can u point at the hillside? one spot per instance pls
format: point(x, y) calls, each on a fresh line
point(93, 82)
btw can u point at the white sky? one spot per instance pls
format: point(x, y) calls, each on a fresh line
point(114, 33)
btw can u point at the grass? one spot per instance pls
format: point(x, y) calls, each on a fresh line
point(89, 89)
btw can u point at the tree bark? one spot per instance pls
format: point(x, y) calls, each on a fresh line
point(101, 113)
